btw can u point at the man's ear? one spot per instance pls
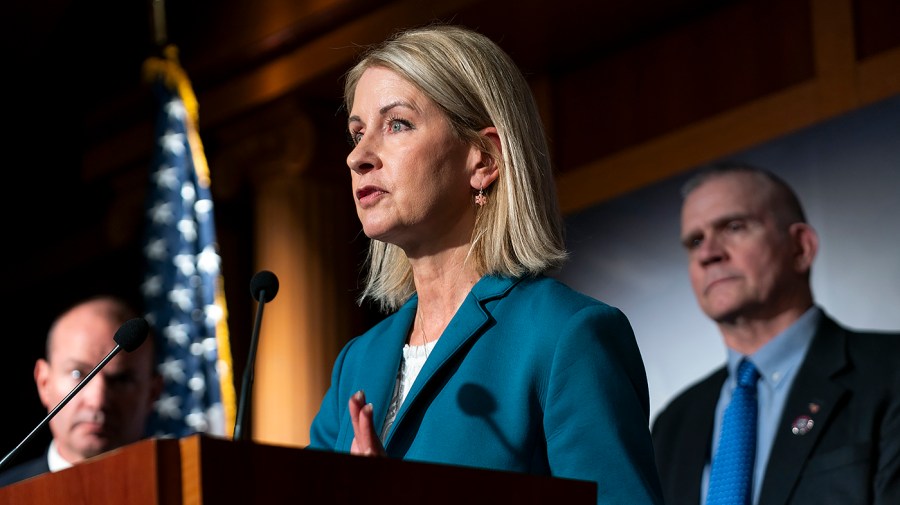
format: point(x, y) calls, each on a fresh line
point(486, 168)
point(806, 243)
point(41, 379)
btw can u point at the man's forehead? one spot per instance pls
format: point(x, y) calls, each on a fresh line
point(731, 194)
point(83, 358)
point(81, 344)
point(85, 333)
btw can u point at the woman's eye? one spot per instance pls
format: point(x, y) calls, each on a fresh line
point(398, 125)
point(353, 138)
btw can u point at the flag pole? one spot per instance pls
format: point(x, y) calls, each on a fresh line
point(158, 8)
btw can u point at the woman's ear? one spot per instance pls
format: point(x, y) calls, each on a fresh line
point(486, 170)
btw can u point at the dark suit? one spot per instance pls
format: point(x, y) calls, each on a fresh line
point(848, 384)
point(25, 470)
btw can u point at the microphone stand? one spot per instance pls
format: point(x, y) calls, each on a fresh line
point(247, 382)
point(62, 403)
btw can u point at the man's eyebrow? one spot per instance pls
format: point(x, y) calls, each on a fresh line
point(723, 220)
point(716, 224)
point(72, 363)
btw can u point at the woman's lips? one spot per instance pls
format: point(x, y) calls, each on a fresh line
point(368, 195)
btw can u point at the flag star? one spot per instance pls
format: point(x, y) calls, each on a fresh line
point(152, 285)
point(197, 421)
point(177, 334)
point(188, 193)
point(203, 208)
point(175, 109)
point(208, 260)
point(197, 349)
point(172, 370)
point(213, 313)
point(161, 213)
point(197, 384)
point(205, 349)
point(185, 264)
point(156, 249)
point(209, 345)
point(182, 298)
point(188, 229)
point(166, 177)
point(173, 143)
point(168, 406)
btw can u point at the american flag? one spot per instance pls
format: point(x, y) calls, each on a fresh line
point(183, 286)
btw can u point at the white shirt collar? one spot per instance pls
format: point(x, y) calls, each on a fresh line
point(55, 460)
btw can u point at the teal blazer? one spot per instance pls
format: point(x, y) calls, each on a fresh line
point(529, 376)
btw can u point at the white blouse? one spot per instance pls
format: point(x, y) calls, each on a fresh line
point(413, 360)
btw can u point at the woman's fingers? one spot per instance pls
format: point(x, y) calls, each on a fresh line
point(365, 439)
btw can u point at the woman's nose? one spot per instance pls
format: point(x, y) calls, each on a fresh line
point(363, 156)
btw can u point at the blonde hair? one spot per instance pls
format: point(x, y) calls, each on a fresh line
point(520, 231)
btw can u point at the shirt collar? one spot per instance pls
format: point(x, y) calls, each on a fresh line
point(781, 356)
point(55, 460)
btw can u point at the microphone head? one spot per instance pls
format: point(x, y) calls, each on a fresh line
point(264, 280)
point(132, 334)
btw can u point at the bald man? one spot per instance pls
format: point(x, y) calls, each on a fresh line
point(112, 409)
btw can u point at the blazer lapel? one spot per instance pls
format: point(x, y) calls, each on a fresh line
point(814, 394)
point(378, 383)
point(702, 415)
point(470, 320)
point(702, 436)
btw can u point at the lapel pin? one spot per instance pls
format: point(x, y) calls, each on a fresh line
point(802, 425)
point(814, 408)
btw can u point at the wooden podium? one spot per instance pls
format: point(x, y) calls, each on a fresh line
point(205, 470)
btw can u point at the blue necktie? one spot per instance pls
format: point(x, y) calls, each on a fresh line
point(732, 469)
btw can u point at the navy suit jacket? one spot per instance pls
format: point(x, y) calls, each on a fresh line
point(25, 470)
point(529, 376)
point(848, 384)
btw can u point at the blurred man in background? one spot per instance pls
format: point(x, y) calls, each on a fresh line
point(825, 399)
point(112, 409)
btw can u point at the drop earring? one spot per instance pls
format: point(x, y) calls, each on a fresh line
point(480, 199)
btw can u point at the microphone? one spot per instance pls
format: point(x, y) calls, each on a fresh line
point(129, 336)
point(263, 288)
